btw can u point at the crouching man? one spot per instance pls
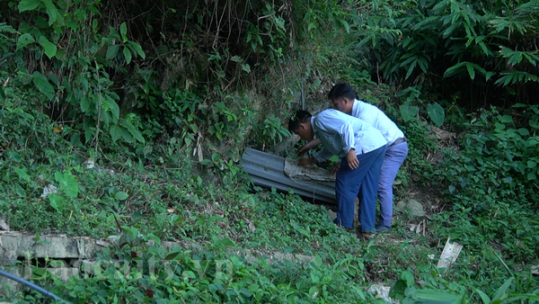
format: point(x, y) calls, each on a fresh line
point(361, 149)
point(344, 99)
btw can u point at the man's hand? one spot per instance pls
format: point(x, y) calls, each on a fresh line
point(306, 161)
point(313, 143)
point(351, 158)
point(304, 149)
point(335, 168)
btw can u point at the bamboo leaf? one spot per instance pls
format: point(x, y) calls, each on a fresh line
point(471, 70)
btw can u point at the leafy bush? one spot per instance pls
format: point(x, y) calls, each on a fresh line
point(486, 48)
point(492, 180)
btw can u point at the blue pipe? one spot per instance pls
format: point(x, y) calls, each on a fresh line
point(31, 285)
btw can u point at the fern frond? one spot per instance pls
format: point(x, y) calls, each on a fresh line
point(4, 28)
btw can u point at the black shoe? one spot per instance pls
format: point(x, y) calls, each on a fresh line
point(382, 229)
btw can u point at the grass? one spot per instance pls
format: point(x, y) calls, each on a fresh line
point(223, 214)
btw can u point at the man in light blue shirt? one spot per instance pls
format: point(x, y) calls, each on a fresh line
point(344, 99)
point(361, 148)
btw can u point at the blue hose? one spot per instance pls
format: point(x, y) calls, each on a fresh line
point(31, 285)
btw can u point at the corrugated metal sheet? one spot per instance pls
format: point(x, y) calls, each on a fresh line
point(267, 170)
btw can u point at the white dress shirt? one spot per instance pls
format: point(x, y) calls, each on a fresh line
point(378, 119)
point(339, 132)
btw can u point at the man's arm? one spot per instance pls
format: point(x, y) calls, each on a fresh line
point(313, 143)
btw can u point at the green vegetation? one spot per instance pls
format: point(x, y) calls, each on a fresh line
point(138, 113)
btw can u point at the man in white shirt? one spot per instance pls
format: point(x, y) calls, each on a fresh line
point(344, 99)
point(361, 148)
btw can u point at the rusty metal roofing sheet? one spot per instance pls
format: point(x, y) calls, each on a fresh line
point(267, 170)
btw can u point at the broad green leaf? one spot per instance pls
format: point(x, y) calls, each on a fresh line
point(20, 191)
point(121, 196)
point(154, 237)
point(531, 164)
point(53, 13)
point(408, 278)
point(67, 184)
point(22, 173)
point(43, 85)
point(397, 290)
point(24, 40)
point(236, 59)
point(532, 176)
point(523, 132)
point(228, 242)
point(110, 105)
point(127, 136)
point(123, 31)
point(56, 202)
point(85, 104)
point(137, 48)
point(436, 113)
point(112, 51)
point(246, 67)
point(133, 130)
point(127, 55)
point(318, 261)
point(113, 33)
point(505, 118)
point(408, 112)
point(49, 47)
point(115, 132)
point(28, 5)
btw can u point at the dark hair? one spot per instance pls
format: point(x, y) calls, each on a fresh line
point(300, 117)
point(341, 90)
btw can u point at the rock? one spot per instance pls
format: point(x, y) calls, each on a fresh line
point(401, 206)
point(285, 144)
point(90, 163)
point(49, 189)
point(3, 225)
point(314, 173)
point(381, 292)
point(332, 215)
point(416, 209)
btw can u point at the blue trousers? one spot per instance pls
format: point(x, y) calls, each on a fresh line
point(362, 183)
point(395, 156)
